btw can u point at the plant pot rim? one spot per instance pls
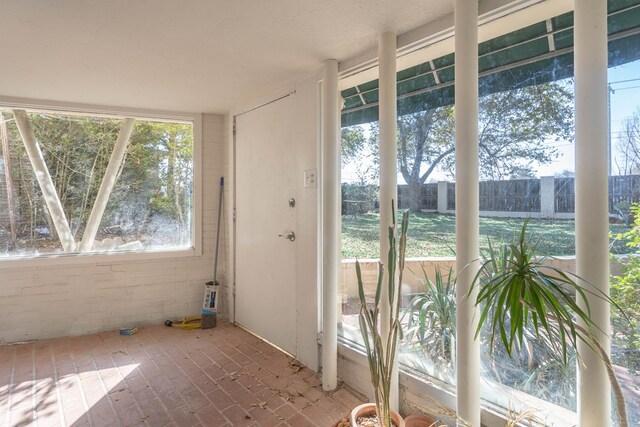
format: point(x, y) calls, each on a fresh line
point(372, 406)
point(419, 418)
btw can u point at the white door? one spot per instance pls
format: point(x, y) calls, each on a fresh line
point(265, 257)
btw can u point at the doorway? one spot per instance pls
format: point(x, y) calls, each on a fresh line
point(266, 223)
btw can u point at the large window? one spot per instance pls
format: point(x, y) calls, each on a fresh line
point(527, 169)
point(75, 183)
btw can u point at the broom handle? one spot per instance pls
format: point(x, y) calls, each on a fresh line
point(215, 262)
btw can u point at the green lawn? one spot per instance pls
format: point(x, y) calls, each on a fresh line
point(433, 234)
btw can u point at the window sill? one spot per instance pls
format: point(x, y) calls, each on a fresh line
point(95, 258)
point(420, 392)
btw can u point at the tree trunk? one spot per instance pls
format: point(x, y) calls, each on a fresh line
point(8, 175)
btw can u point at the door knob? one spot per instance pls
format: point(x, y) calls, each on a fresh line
point(289, 235)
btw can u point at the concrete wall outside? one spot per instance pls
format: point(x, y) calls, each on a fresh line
point(413, 280)
point(67, 297)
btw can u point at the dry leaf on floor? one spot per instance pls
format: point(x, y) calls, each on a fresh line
point(296, 366)
point(261, 405)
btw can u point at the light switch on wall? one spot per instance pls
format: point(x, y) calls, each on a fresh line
point(310, 178)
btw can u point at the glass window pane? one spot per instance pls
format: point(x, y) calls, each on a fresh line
point(624, 196)
point(149, 207)
point(360, 217)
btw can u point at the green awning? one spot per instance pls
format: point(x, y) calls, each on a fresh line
point(529, 56)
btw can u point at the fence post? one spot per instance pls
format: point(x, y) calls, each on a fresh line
point(442, 196)
point(547, 197)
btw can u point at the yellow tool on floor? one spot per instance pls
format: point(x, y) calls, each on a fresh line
point(209, 313)
point(191, 322)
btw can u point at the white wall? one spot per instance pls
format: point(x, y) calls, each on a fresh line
point(79, 296)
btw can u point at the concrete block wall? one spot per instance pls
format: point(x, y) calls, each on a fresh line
point(75, 296)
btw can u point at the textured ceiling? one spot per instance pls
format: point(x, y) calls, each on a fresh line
point(195, 55)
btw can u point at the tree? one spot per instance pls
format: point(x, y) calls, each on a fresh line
point(424, 138)
point(8, 177)
point(565, 173)
point(352, 141)
point(513, 130)
point(522, 172)
point(629, 144)
point(152, 191)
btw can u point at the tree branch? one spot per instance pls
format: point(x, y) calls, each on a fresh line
point(437, 160)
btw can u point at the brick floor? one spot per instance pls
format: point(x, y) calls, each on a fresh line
point(162, 377)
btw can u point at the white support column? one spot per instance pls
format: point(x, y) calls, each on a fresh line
point(443, 196)
point(547, 196)
point(331, 224)
point(592, 226)
point(388, 172)
point(108, 181)
point(44, 180)
point(467, 208)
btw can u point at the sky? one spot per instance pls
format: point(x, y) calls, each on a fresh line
point(624, 80)
point(625, 99)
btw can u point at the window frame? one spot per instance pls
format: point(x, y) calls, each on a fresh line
point(101, 258)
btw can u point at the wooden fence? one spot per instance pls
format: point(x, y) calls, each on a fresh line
point(517, 196)
point(428, 196)
point(623, 190)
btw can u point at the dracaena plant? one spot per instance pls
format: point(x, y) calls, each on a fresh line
point(431, 318)
point(381, 357)
point(519, 292)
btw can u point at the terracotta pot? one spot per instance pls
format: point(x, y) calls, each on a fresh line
point(370, 408)
point(417, 420)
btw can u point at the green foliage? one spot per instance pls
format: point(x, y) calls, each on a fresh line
point(511, 126)
point(629, 143)
point(358, 199)
point(625, 290)
point(381, 353)
point(431, 323)
point(153, 186)
point(352, 141)
point(518, 292)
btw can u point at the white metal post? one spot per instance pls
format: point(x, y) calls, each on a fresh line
point(331, 223)
point(108, 181)
point(592, 226)
point(41, 172)
point(388, 173)
point(467, 208)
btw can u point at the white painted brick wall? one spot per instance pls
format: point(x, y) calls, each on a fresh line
point(70, 298)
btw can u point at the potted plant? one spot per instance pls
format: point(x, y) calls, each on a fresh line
point(520, 292)
point(381, 358)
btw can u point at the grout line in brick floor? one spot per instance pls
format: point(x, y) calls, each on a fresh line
point(173, 381)
point(10, 388)
point(124, 382)
point(153, 390)
point(57, 386)
point(85, 403)
point(105, 391)
point(203, 422)
point(34, 383)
